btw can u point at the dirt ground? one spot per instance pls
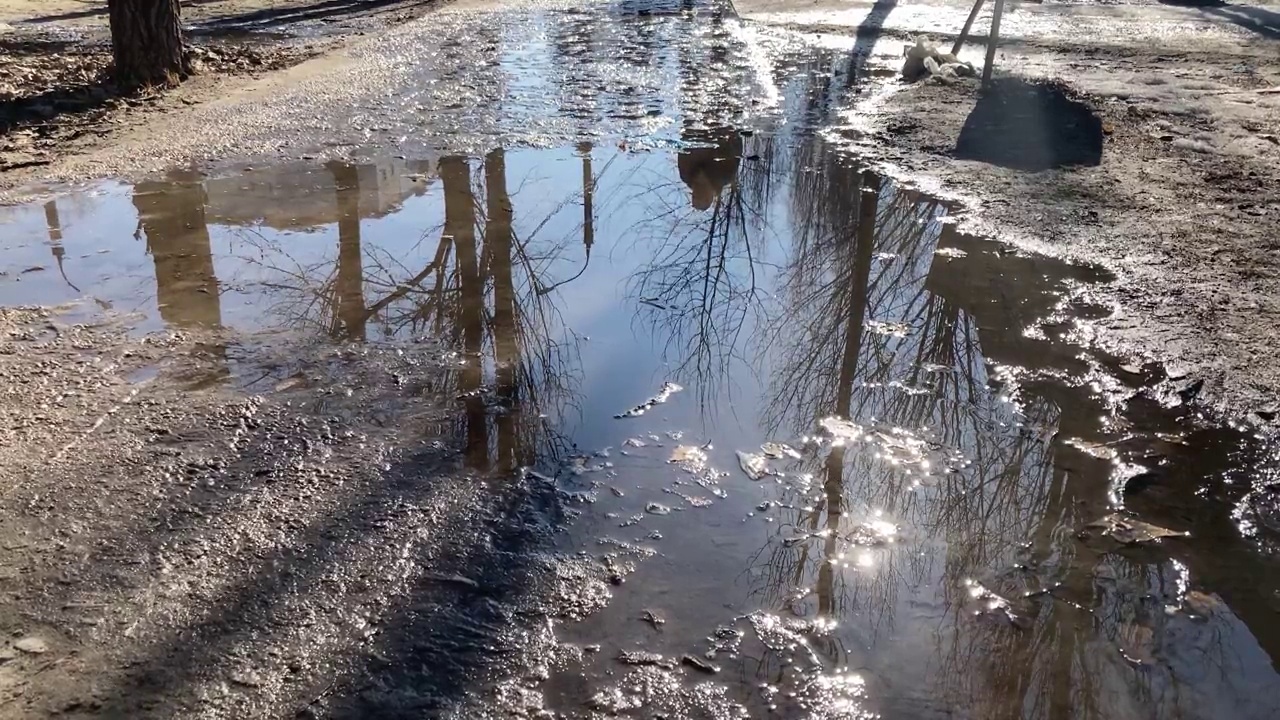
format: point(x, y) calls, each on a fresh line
point(273, 526)
point(56, 96)
point(1184, 199)
point(1184, 202)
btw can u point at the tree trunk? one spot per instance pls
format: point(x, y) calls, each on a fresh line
point(146, 41)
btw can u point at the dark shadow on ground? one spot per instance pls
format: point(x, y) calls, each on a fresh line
point(273, 17)
point(96, 9)
point(1255, 19)
point(1030, 126)
point(427, 647)
point(48, 105)
point(868, 33)
point(446, 639)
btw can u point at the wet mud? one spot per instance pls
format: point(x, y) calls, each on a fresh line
point(716, 422)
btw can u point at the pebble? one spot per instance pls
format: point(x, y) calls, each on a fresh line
point(32, 644)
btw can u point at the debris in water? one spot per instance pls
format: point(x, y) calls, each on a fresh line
point(842, 429)
point(1130, 531)
point(794, 540)
point(1100, 450)
point(950, 252)
point(642, 657)
point(892, 329)
point(1136, 643)
point(690, 457)
point(779, 451)
point(634, 442)
point(291, 382)
point(1202, 604)
point(753, 465)
point(634, 519)
point(617, 491)
point(699, 664)
point(992, 604)
point(654, 508)
point(668, 389)
point(874, 533)
point(653, 618)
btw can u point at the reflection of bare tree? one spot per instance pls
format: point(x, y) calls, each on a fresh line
point(873, 327)
point(700, 286)
point(350, 314)
point(859, 335)
point(171, 218)
point(487, 291)
point(54, 226)
point(460, 225)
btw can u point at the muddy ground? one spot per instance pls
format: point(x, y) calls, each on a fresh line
point(1178, 193)
point(254, 468)
point(56, 94)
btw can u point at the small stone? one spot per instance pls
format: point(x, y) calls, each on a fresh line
point(248, 680)
point(32, 644)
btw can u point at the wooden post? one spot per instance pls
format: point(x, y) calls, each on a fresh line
point(992, 42)
point(968, 25)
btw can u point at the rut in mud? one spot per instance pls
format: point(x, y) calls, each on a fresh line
point(708, 422)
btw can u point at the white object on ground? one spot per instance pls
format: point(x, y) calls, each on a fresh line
point(923, 60)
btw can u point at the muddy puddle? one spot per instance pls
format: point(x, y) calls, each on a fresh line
point(837, 459)
point(841, 460)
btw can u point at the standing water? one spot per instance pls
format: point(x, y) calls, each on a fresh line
point(832, 458)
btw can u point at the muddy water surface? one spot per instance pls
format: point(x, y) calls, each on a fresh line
point(846, 460)
point(837, 459)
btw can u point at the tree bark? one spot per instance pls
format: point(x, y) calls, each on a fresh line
point(146, 42)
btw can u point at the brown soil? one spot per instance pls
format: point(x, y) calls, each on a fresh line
point(1183, 202)
point(56, 93)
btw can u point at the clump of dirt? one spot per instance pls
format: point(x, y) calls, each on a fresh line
point(52, 92)
point(1031, 125)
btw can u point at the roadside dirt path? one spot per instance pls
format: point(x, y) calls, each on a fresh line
point(56, 97)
